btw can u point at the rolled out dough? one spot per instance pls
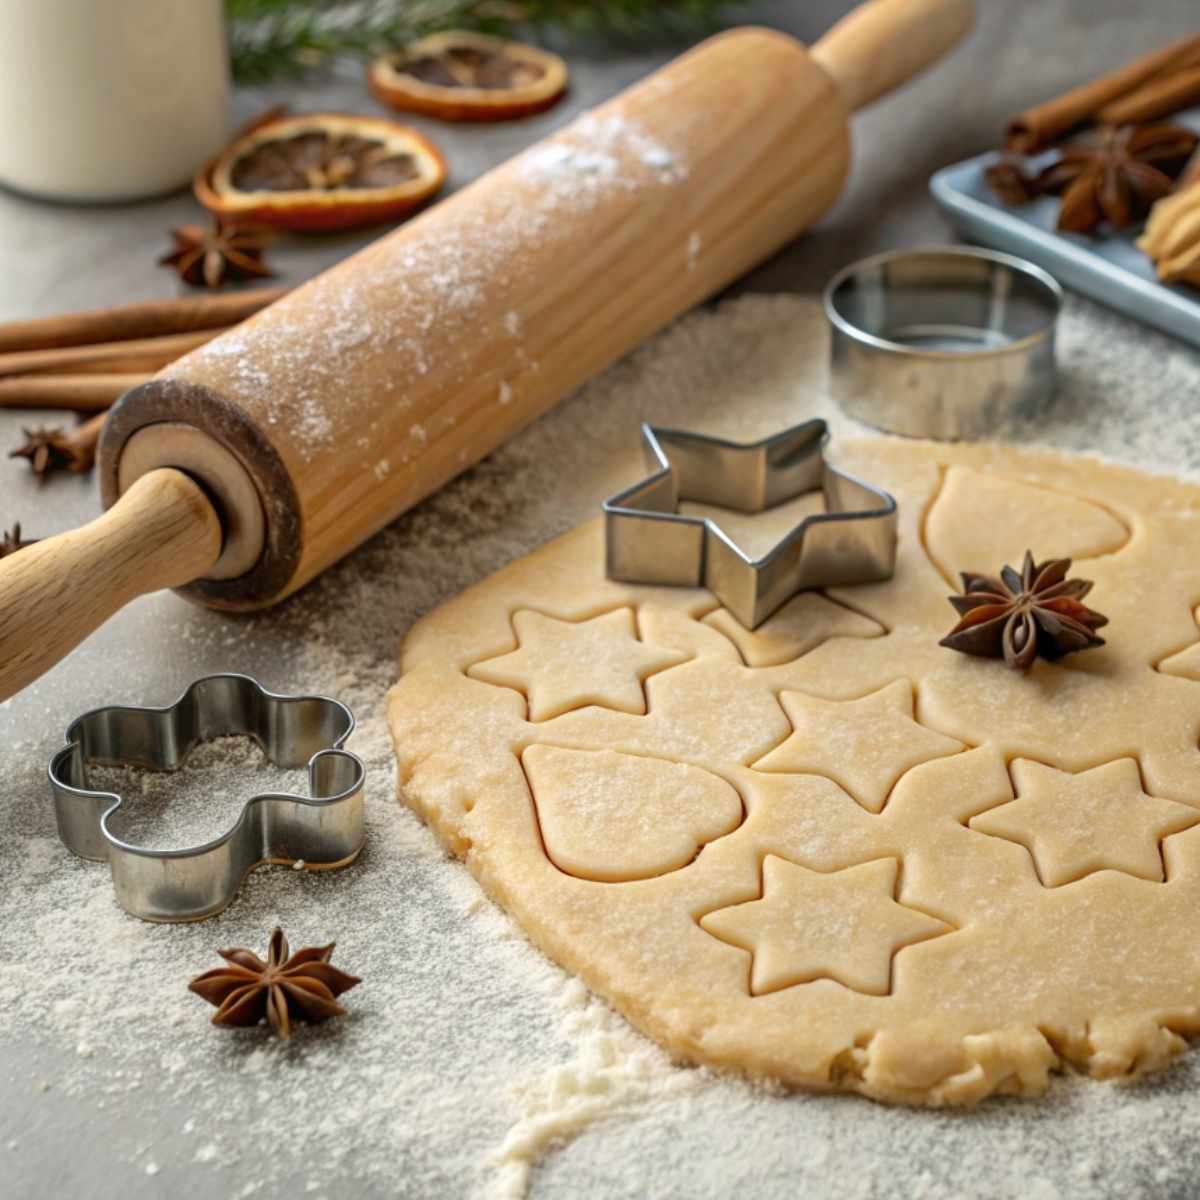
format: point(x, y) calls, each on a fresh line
point(830, 851)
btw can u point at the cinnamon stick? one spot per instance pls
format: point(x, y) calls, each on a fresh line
point(1159, 97)
point(82, 441)
point(79, 393)
point(133, 355)
point(1037, 127)
point(152, 318)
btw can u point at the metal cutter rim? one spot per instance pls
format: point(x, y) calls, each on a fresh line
point(192, 882)
point(787, 463)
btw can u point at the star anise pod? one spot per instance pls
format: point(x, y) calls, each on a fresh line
point(50, 450)
point(1112, 175)
point(298, 987)
point(47, 451)
point(210, 257)
point(11, 542)
point(1010, 183)
point(1116, 175)
point(1019, 616)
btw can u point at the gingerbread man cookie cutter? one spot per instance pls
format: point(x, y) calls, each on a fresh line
point(322, 830)
point(647, 540)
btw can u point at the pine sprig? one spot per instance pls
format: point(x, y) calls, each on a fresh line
point(289, 37)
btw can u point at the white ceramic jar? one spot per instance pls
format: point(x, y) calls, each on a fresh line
point(105, 100)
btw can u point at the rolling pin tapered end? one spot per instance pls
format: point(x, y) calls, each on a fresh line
point(162, 533)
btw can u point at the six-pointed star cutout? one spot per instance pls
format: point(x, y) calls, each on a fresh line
point(1096, 820)
point(845, 925)
point(863, 745)
point(561, 665)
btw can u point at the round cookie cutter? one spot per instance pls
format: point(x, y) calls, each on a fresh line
point(946, 342)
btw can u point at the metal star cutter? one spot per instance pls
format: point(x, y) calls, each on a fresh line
point(647, 540)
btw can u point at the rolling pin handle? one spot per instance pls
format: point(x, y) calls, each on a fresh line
point(881, 44)
point(163, 532)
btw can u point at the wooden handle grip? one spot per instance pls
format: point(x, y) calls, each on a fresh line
point(162, 533)
point(884, 43)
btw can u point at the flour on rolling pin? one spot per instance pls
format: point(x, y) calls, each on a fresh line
point(438, 281)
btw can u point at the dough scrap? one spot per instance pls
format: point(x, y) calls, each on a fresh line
point(801, 625)
point(1186, 663)
point(1011, 862)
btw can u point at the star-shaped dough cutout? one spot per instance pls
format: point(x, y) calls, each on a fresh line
point(863, 745)
point(562, 665)
point(1097, 820)
point(843, 925)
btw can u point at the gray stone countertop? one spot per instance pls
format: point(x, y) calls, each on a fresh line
point(57, 1140)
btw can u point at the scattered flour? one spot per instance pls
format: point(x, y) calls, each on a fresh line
point(467, 1056)
point(614, 1070)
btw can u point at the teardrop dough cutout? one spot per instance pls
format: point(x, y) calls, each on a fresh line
point(616, 817)
point(980, 521)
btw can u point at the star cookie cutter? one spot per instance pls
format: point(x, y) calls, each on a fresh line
point(647, 540)
point(322, 831)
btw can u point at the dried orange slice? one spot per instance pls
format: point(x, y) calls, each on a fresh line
point(321, 171)
point(460, 76)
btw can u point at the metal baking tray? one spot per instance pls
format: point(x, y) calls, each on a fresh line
point(1110, 269)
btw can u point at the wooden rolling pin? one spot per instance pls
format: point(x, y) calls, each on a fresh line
point(251, 464)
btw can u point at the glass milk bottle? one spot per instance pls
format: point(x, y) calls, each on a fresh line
point(106, 100)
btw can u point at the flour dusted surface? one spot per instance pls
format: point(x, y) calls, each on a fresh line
point(466, 1055)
